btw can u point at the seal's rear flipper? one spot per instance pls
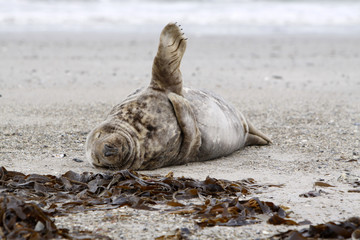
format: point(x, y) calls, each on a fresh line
point(256, 137)
point(166, 75)
point(190, 132)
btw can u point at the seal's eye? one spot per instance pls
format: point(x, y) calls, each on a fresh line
point(98, 135)
point(109, 150)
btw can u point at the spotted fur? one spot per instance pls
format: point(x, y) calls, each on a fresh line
point(166, 124)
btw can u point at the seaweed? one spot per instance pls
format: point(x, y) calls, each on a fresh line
point(29, 202)
point(180, 234)
point(73, 192)
point(330, 230)
point(217, 202)
point(314, 193)
point(322, 184)
point(21, 220)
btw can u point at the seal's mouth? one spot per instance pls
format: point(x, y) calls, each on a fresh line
point(107, 166)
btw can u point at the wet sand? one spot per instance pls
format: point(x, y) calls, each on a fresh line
point(301, 90)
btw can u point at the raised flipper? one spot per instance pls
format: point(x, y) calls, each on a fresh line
point(190, 132)
point(166, 75)
point(256, 137)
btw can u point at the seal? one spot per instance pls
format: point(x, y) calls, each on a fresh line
point(167, 124)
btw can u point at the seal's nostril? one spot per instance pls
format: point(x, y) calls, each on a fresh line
point(109, 150)
point(106, 146)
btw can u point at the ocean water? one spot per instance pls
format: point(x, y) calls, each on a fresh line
point(197, 16)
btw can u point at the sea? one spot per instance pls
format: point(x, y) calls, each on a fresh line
point(197, 16)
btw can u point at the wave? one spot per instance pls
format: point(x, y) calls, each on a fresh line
point(215, 15)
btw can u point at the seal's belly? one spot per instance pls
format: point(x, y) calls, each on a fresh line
point(223, 129)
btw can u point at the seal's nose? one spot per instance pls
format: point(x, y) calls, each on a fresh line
point(109, 150)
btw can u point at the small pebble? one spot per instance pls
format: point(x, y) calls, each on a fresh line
point(355, 235)
point(78, 160)
point(62, 155)
point(39, 226)
point(277, 77)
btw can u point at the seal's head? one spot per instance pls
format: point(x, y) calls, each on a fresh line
point(113, 146)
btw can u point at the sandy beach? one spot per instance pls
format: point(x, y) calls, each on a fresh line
point(303, 90)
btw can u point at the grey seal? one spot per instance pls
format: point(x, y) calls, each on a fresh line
point(167, 124)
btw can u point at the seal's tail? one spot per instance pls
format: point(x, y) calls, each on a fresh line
point(256, 137)
point(166, 75)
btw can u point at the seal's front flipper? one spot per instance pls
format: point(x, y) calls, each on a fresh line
point(166, 75)
point(256, 137)
point(190, 132)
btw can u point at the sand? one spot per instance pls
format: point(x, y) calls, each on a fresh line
point(303, 90)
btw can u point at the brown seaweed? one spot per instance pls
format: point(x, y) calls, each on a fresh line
point(322, 184)
point(314, 193)
point(72, 192)
point(217, 200)
point(278, 220)
point(28, 202)
point(329, 230)
point(21, 220)
point(180, 234)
